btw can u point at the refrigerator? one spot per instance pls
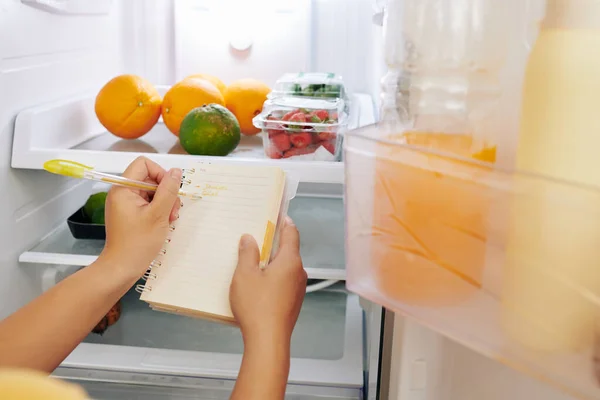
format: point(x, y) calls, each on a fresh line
point(54, 57)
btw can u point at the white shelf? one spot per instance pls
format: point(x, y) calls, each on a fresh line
point(70, 130)
point(120, 385)
point(326, 344)
point(320, 222)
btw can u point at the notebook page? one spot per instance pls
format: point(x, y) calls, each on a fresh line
point(201, 257)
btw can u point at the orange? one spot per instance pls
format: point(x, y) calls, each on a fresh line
point(245, 99)
point(128, 106)
point(212, 79)
point(186, 95)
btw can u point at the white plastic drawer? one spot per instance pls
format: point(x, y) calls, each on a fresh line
point(326, 345)
point(127, 386)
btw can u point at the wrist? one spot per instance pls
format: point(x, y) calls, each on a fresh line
point(120, 267)
point(263, 339)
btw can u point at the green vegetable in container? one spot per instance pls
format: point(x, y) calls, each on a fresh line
point(98, 216)
point(94, 207)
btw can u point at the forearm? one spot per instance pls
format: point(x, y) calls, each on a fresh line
point(264, 371)
point(43, 333)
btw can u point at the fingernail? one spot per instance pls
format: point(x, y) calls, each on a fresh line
point(288, 220)
point(245, 241)
point(176, 173)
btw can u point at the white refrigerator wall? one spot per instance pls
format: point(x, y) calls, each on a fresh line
point(43, 57)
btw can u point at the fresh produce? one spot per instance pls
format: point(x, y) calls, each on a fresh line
point(21, 384)
point(186, 95)
point(94, 207)
point(128, 106)
point(98, 216)
point(109, 319)
point(245, 99)
point(210, 130)
point(317, 90)
point(300, 131)
point(212, 79)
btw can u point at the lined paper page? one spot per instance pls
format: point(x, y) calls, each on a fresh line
point(201, 257)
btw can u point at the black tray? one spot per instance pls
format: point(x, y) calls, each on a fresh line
point(81, 227)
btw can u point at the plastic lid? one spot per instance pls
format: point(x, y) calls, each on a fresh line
point(301, 113)
point(310, 84)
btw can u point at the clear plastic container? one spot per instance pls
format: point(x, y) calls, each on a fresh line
point(306, 129)
point(431, 234)
point(444, 60)
point(318, 85)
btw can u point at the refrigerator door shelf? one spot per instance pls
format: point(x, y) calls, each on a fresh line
point(326, 345)
point(69, 129)
point(320, 222)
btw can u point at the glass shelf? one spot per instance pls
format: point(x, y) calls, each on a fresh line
point(69, 129)
point(316, 336)
point(320, 222)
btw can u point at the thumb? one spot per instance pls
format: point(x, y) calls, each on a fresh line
point(167, 193)
point(248, 256)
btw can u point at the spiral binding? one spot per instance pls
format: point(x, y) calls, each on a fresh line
point(185, 180)
point(155, 264)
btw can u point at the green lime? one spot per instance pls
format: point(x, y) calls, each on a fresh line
point(94, 202)
point(98, 216)
point(210, 130)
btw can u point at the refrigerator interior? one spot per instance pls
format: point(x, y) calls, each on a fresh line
point(58, 54)
point(62, 53)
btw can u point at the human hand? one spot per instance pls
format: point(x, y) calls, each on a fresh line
point(266, 303)
point(137, 221)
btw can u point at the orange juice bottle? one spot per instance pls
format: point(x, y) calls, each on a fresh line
point(429, 222)
point(552, 269)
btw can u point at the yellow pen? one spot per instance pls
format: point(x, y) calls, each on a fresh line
point(81, 171)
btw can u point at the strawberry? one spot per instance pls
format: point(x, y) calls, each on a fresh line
point(288, 115)
point(329, 146)
point(333, 117)
point(301, 139)
point(299, 151)
point(274, 130)
point(314, 119)
point(327, 135)
point(273, 152)
point(281, 142)
point(323, 115)
point(298, 117)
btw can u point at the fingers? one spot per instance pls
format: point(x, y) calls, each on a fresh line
point(167, 193)
point(142, 168)
point(175, 211)
point(289, 242)
point(249, 255)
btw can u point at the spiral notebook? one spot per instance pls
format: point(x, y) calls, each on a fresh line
point(192, 274)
